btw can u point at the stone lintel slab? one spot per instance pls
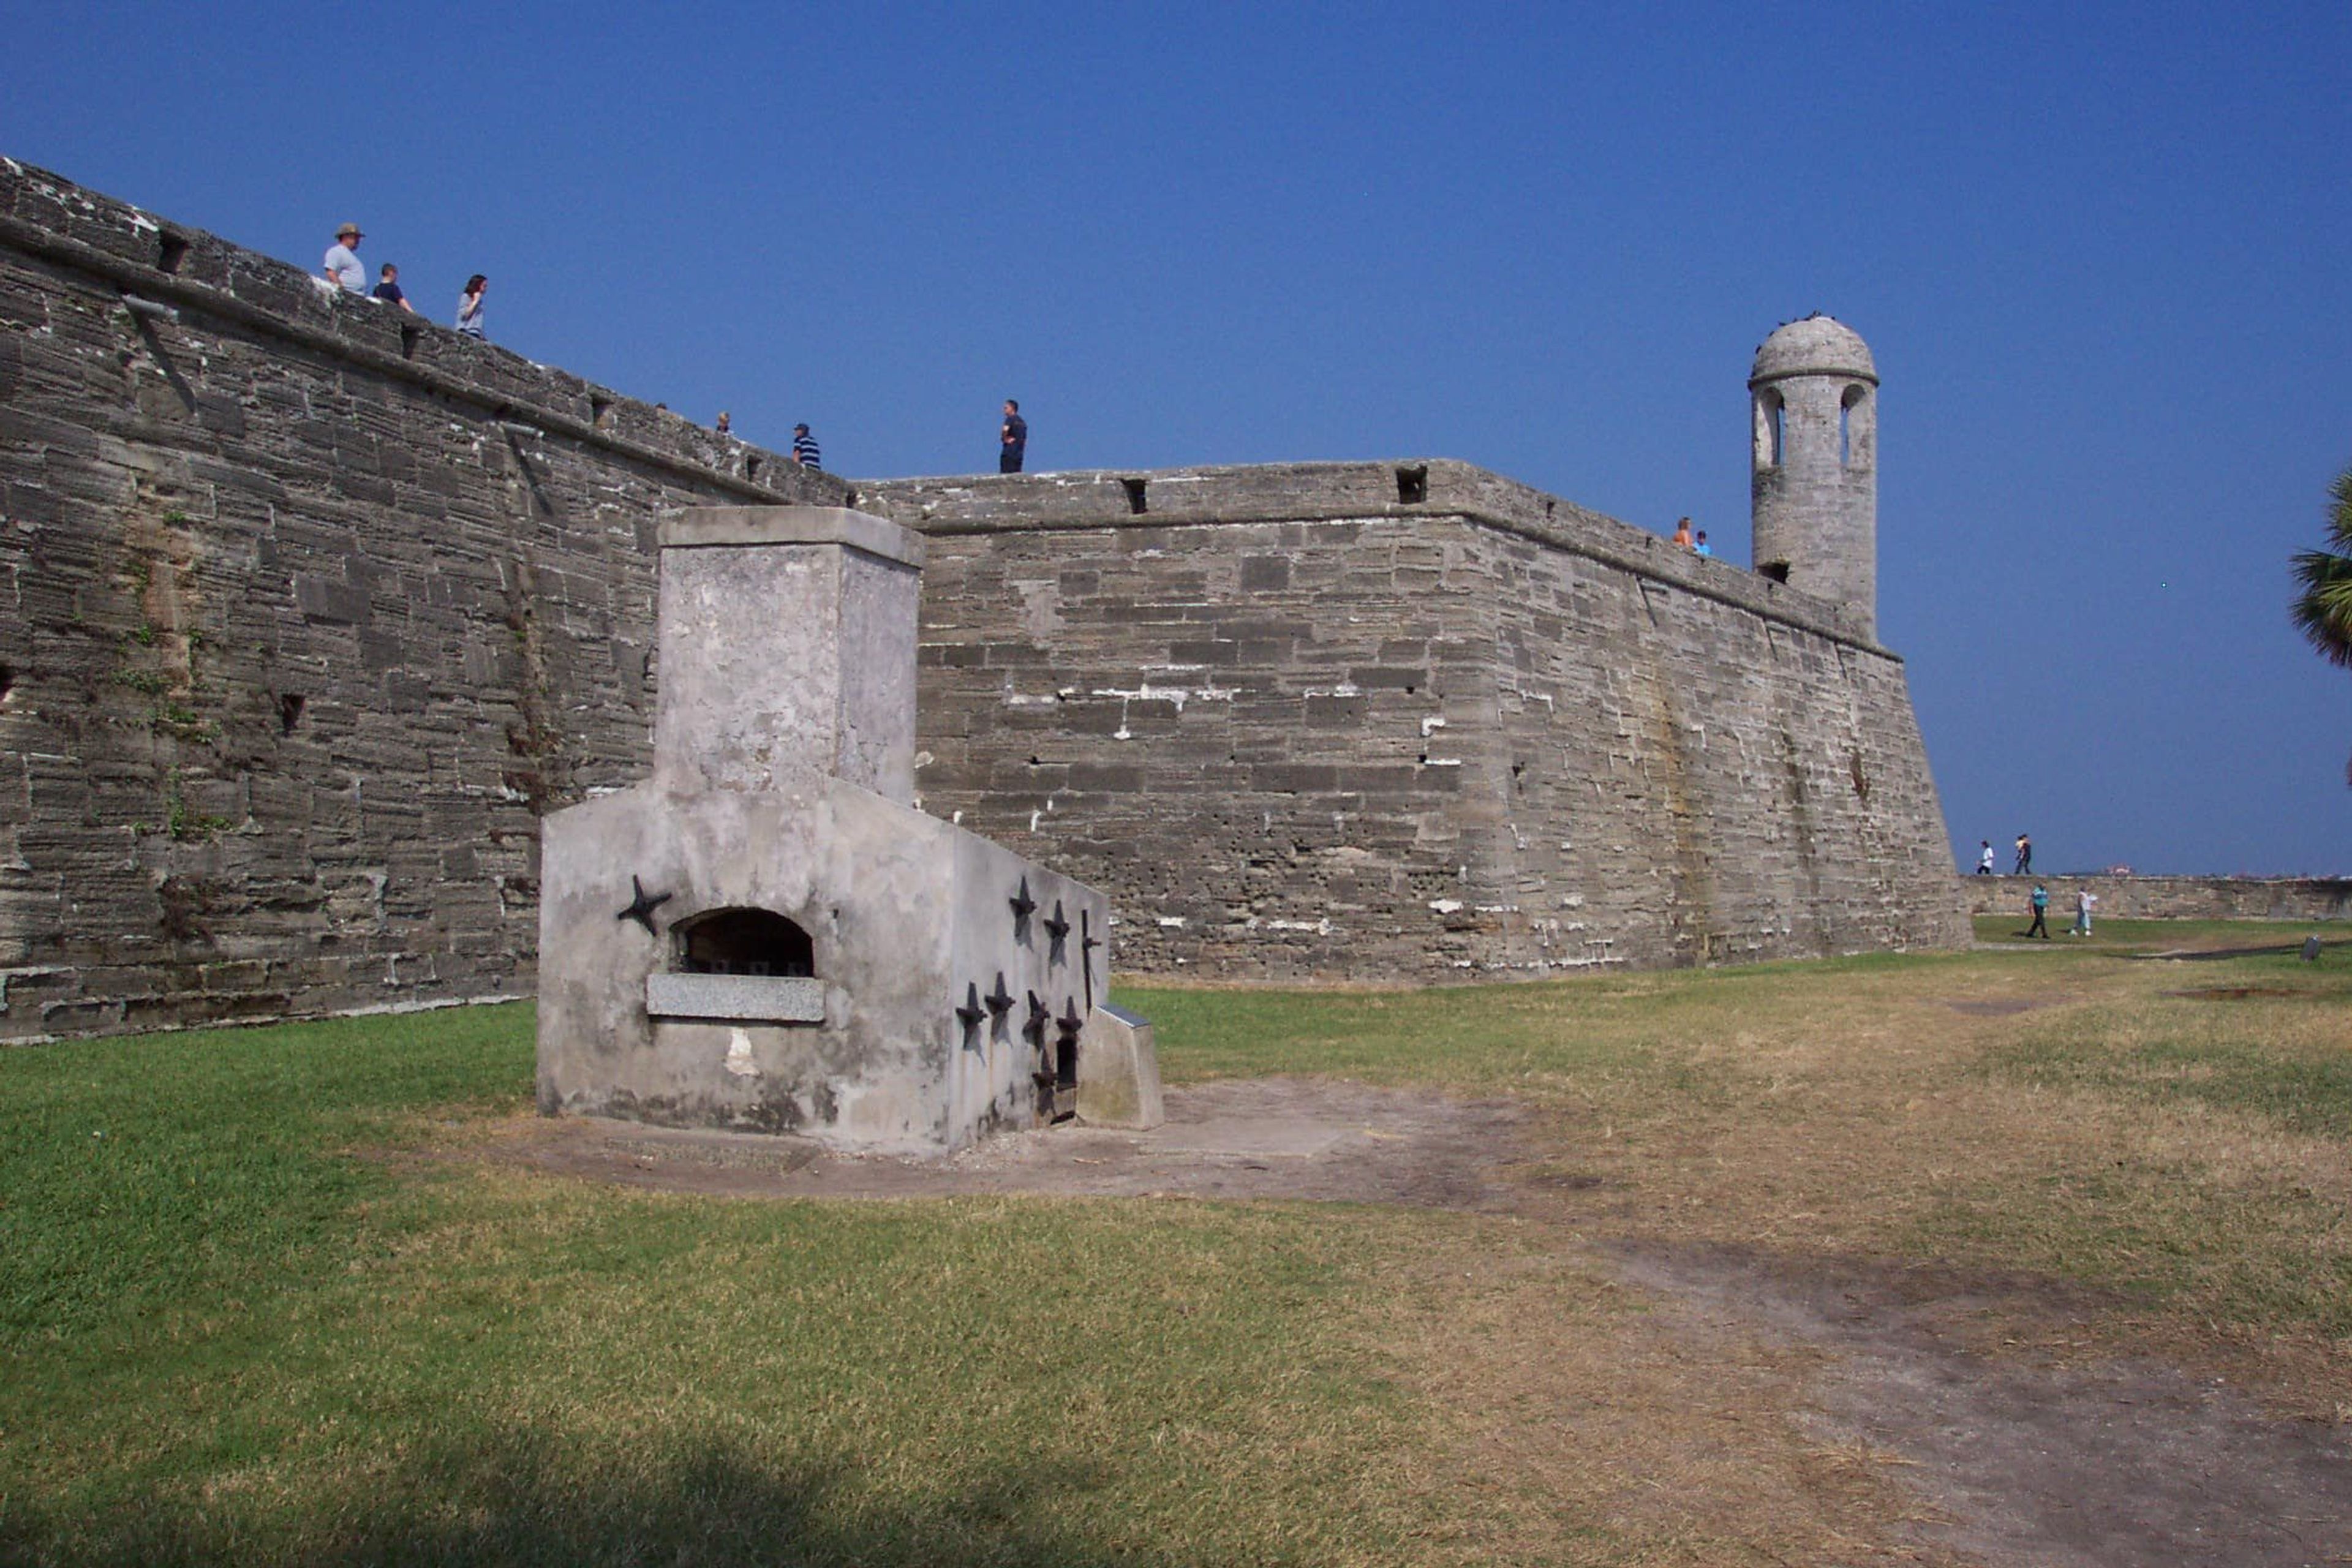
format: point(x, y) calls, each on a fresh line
point(740, 527)
point(743, 998)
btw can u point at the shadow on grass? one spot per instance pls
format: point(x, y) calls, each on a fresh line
point(514, 1502)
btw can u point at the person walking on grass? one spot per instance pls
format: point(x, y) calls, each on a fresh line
point(2085, 900)
point(2040, 926)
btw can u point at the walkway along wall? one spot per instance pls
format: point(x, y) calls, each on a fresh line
point(1377, 722)
point(308, 609)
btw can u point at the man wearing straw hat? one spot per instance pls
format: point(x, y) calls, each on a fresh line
point(344, 260)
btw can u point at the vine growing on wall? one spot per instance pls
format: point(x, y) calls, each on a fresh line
point(157, 661)
point(541, 773)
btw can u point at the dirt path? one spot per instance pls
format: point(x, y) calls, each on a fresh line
point(2009, 1457)
point(2116, 1462)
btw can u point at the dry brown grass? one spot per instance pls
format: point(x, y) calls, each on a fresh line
point(1892, 1120)
point(1587, 1422)
point(1987, 1138)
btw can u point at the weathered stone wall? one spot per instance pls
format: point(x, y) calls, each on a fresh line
point(2297, 899)
point(311, 609)
point(308, 609)
point(1379, 721)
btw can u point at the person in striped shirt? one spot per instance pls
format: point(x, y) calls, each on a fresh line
point(804, 451)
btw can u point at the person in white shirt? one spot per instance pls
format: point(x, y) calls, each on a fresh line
point(1984, 860)
point(2083, 901)
point(344, 260)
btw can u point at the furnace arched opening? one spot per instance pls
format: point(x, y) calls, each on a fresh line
point(743, 942)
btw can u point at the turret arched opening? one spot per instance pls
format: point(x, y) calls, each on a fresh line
point(1772, 429)
point(1857, 428)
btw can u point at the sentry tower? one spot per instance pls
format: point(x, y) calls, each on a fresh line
point(1814, 391)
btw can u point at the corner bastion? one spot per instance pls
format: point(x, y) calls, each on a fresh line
point(312, 609)
point(1411, 721)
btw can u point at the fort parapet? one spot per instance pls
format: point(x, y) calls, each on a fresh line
point(312, 608)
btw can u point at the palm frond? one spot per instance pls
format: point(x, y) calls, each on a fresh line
point(2323, 609)
point(2340, 511)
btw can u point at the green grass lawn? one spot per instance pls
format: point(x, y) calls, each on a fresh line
point(230, 1331)
point(258, 1305)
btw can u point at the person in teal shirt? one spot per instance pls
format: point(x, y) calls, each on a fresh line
point(2040, 926)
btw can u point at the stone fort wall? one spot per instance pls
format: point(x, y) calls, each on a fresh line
point(312, 608)
point(308, 609)
point(1411, 721)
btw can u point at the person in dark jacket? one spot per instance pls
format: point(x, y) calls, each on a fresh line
point(1012, 439)
point(387, 289)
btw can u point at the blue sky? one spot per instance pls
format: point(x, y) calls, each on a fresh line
point(2102, 253)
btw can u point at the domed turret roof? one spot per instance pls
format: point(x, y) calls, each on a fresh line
point(1817, 345)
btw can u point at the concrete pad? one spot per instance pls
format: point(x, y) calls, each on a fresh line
point(649, 1147)
point(1282, 1137)
point(1236, 1140)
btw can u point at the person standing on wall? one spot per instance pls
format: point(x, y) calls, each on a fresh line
point(2024, 854)
point(1683, 532)
point(804, 451)
point(470, 318)
point(388, 288)
point(725, 426)
point(344, 260)
point(1701, 547)
point(1984, 860)
point(1011, 438)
